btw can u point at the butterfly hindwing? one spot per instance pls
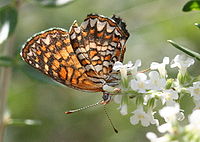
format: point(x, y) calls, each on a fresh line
point(51, 53)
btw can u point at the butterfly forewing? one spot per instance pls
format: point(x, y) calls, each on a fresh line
point(99, 43)
point(51, 53)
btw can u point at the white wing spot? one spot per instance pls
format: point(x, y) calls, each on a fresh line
point(46, 67)
point(109, 28)
point(30, 53)
point(100, 25)
point(93, 22)
point(37, 66)
point(77, 30)
point(98, 68)
point(47, 40)
point(73, 36)
point(85, 24)
point(95, 58)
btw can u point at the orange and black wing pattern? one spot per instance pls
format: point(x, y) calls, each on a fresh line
point(81, 58)
point(99, 42)
point(52, 54)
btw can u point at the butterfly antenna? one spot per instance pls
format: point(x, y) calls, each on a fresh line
point(82, 108)
point(116, 131)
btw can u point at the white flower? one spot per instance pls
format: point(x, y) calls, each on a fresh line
point(123, 109)
point(134, 69)
point(155, 82)
point(160, 67)
point(169, 113)
point(118, 66)
point(154, 138)
point(182, 62)
point(195, 90)
point(166, 127)
point(140, 84)
point(194, 120)
point(151, 136)
point(123, 104)
point(169, 97)
point(145, 118)
point(151, 117)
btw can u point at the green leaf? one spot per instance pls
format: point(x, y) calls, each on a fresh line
point(8, 22)
point(198, 25)
point(196, 78)
point(53, 3)
point(6, 61)
point(185, 50)
point(191, 6)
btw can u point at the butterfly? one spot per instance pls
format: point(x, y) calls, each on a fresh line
point(82, 58)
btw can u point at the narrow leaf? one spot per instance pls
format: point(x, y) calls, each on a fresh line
point(185, 50)
point(191, 6)
point(53, 3)
point(8, 21)
point(6, 61)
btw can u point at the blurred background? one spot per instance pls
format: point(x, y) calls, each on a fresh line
point(33, 96)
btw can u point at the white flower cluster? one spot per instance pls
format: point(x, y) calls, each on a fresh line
point(175, 132)
point(150, 87)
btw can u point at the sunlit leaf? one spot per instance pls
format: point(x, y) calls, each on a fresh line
point(192, 5)
point(53, 3)
point(8, 21)
point(185, 50)
point(6, 61)
point(198, 25)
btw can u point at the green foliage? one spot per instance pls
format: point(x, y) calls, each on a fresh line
point(192, 5)
point(8, 22)
point(185, 50)
point(6, 61)
point(52, 3)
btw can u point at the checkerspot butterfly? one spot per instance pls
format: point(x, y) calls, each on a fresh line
point(83, 57)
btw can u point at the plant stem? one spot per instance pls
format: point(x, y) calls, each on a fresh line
point(5, 78)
